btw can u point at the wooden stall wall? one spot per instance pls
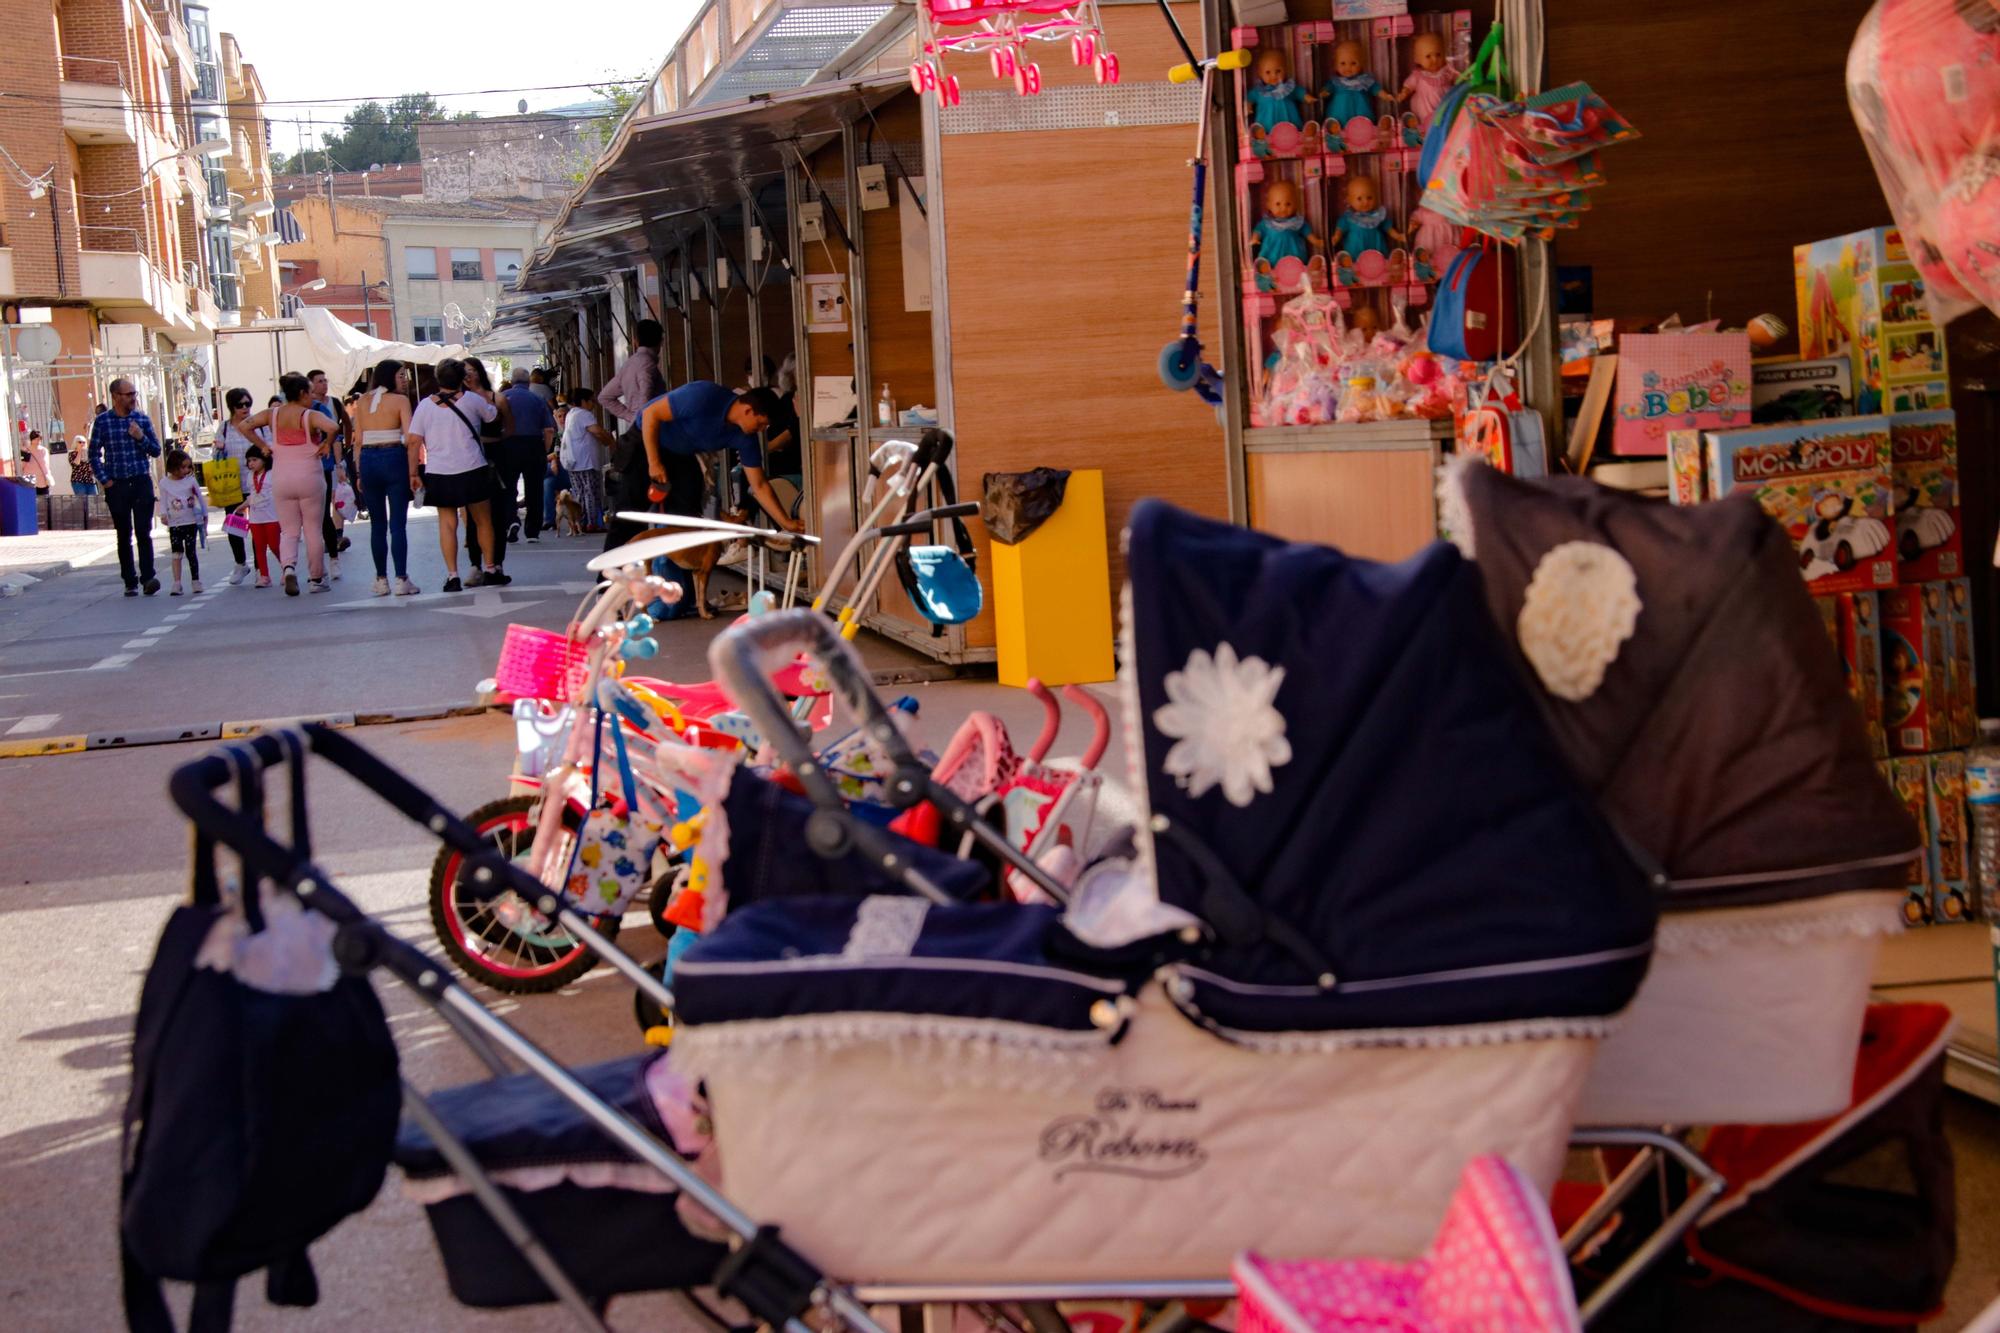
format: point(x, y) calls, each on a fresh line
point(899, 340)
point(1065, 254)
point(1747, 149)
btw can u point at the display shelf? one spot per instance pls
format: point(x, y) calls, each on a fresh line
point(1952, 966)
point(1349, 437)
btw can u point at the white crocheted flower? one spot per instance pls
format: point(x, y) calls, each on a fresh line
point(1227, 731)
point(1580, 607)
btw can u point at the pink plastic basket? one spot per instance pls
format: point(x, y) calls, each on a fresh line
point(540, 664)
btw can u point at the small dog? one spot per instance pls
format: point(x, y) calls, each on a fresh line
point(701, 562)
point(569, 514)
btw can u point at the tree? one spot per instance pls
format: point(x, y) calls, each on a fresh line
point(617, 95)
point(373, 133)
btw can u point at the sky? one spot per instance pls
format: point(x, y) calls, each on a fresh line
point(356, 50)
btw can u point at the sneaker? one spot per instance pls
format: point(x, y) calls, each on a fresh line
point(513, 532)
point(263, 580)
point(405, 588)
point(174, 591)
point(381, 587)
point(150, 586)
point(131, 590)
point(318, 585)
point(240, 573)
point(345, 542)
point(291, 583)
point(197, 585)
point(332, 568)
point(476, 579)
point(534, 541)
point(453, 585)
point(496, 578)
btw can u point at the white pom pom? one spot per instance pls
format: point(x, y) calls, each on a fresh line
point(1580, 607)
point(1454, 515)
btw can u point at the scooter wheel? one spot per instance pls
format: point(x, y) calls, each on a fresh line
point(1107, 67)
point(1180, 365)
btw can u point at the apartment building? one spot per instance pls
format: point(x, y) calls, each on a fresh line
point(340, 244)
point(451, 263)
point(244, 234)
point(105, 199)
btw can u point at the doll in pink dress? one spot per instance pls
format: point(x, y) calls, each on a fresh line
point(1432, 78)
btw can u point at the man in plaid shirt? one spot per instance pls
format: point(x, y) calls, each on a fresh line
point(122, 445)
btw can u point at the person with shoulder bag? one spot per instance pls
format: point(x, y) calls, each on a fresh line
point(443, 441)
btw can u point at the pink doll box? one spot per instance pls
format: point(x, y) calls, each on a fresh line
point(1370, 9)
point(1827, 483)
point(1861, 295)
point(1678, 381)
point(1276, 117)
point(1929, 540)
point(1255, 186)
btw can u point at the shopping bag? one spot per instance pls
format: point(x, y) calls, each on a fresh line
point(224, 479)
point(237, 524)
point(343, 499)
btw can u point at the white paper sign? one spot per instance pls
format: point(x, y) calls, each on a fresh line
point(916, 247)
point(826, 303)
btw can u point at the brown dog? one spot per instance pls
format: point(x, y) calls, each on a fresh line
point(569, 515)
point(701, 562)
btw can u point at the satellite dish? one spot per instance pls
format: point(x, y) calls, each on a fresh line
point(522, 106)
point(39, 343)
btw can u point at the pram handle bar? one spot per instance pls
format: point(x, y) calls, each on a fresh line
point(363, 944)
point(735, 658)
point(921, 522)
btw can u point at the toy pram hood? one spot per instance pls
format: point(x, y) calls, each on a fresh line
point(1719, 737)
point(1347, 747)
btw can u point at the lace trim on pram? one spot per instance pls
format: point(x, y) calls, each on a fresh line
point(1144, 868)
point(1847, 915)
point(981, 1051)
point(634, 1176)
point(1475, 1034)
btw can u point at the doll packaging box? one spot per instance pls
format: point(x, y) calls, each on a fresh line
point(1861, 295)
point(1910, 780)
point(1950, 853)
point(1929, 542)
point(1678, 381)
point(1916, 669)
point(1828, 484)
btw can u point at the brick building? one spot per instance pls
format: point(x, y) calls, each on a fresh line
point(248, 272)
point(340, 243)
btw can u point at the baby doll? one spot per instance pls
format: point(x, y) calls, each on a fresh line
point(1274, 99)
point(1352, 91)
point(1365, 224)
point(1433, 232)
point(1428, 83)
point(1282, 232)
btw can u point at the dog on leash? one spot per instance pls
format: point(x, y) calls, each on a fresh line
point(569, 514)
point(701, 562)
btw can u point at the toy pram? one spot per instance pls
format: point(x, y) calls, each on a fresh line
point(1325, 1011)
point(1721, 740)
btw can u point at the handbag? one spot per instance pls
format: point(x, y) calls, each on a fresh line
point(1477, 302)
point(237, 524)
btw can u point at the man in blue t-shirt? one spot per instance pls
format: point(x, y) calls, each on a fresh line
point(702, 417)
point(523, 456)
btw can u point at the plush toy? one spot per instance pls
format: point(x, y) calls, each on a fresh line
point(1365, 224)
point(1282, 232)
point(1274, 98)
point(1432, 78)
point(1352, 91)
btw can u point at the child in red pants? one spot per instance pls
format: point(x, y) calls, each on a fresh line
point(260, 506)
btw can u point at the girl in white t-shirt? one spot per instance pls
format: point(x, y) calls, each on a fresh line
point(585, 445)
point(260, 506)
point(184, 509)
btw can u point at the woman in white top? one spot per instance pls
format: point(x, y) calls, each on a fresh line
point(382, 418)
point(444, 441)
point(233, 440)
point(585, 446)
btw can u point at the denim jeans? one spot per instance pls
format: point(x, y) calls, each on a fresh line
point(83, 488)
point(385, 492)
point(130, 500)
point(554, 484)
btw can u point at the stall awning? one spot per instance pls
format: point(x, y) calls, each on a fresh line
point(687, 162)
point(528, 309)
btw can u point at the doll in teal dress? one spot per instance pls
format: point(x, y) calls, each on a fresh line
point(1274, 98)
point(1364, 226)
point(1282, 233)
point(1352, 91)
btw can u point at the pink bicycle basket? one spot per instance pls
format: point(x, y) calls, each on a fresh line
point(540, 664)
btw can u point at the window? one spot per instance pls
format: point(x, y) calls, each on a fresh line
point(420, 262)
point(465, 266)
point(427, 329)
point(507, 266)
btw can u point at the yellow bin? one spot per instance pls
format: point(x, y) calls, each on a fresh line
point(1052, 594)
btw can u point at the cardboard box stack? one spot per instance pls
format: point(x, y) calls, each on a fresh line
point(1872, 504)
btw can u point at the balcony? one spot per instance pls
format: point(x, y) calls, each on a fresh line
point(119, 279)
point(96, 108)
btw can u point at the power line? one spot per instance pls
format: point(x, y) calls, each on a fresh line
point(186, 103)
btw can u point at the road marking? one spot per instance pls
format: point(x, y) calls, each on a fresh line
point(159, 629)
point(32, 723)
point(111, 663)
point(92, 557)
point(140, 644)
point(179, 616)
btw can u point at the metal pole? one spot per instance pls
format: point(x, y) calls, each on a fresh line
point(1222, 243)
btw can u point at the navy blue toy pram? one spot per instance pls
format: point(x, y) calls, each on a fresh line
point(1393, 928)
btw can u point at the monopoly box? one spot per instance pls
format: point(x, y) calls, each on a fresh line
point(1827, 483)
point(1861, 294)
point(1910, 780)
point(1950, 853)
point(1916, 669)
point(1929, 541)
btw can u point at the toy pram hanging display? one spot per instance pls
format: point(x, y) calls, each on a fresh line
point(1782, 850)
point(1316, 966)
point(1001, 30)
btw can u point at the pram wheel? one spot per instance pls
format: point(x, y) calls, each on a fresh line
point(1107, 67)
point(1028, 79)
point(949, 93)
point(1003, 62)
point(502, 942)
point(1081, 49)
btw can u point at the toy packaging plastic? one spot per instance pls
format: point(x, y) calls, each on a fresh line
point(1790, 388)
point(1929, 540)
point(1916, 668)
point(1952, 898)
point(1862, 294)
point(1687, 468)
point(1678, 381)
point(1923, 79)
point(1828, 484)
point(1910, 780)
point(1853, 622)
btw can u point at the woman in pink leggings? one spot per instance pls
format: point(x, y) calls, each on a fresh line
point(299, 438)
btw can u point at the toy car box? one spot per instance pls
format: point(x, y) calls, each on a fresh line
point(1828, 484)
point(1929, 537)
point(1916, 667)
point(1789, 388)
point(1910, 780)
point(1952, 898)
point(1861, 294)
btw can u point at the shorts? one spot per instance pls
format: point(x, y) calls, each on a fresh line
point(184, 540)
point(456, 490)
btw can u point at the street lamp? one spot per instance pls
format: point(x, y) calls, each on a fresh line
point(316, 285)
point(262, 209)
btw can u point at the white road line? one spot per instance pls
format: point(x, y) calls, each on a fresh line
point(111, 663)
point(159, 629)
point(33, 723)
point(177, 618)
point(92, 557)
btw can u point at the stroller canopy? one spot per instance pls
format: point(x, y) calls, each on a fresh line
point(1706, 707)
point(1350, 783)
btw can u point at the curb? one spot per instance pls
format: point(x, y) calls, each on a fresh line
point(36, 746)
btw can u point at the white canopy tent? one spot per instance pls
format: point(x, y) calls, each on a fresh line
point(346, 353)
